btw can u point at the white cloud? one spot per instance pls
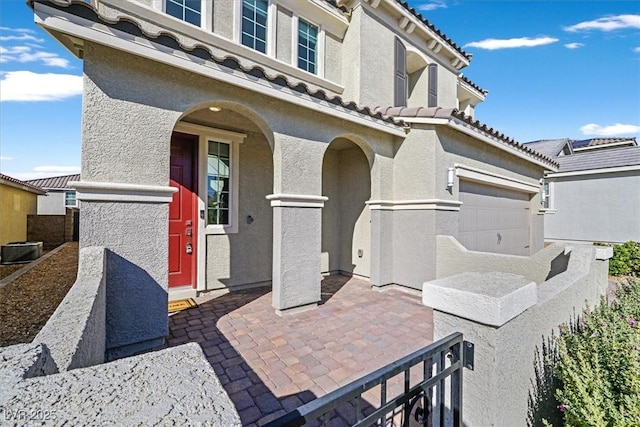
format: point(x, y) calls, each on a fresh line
point(607, 23)
point(24, 54)
point(17, 30)
point(29, 86)
point(637, 49)
point(493, 44)
point(574, 45)
point(611, 130)
point(5, 158)
point(432, 5)
point(44, 172)
point(21, 37)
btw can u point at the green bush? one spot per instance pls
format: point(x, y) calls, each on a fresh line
point(599, 363)
point(626, 260)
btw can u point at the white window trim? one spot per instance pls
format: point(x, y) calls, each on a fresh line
point(64, 199)
point(295, 27)
point(272, 12)
point(206, 13)
point(234, 139)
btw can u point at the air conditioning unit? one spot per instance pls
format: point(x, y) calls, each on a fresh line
point(20, 252)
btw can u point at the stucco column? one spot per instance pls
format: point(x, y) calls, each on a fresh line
point(297, 222)
point(297, 239)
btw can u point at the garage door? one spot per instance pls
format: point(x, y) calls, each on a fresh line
point(493, 219)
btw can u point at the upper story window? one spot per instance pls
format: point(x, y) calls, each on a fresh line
point(254, 24)
point(186, 10)
point(307, 46)
point(70, 199)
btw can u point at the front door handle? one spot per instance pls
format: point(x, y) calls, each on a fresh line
point(189, 248)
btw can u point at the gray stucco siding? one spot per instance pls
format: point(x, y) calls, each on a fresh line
point(51, 203)
point(223, 12)
point(244, 258)
point(284, 31)
point(599, 207)
point(332, 58)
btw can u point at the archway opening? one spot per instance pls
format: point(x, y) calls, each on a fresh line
point(346, 227)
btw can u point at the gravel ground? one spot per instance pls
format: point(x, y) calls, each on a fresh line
point(27, 303)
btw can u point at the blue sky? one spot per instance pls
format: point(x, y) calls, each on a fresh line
point(553, 69)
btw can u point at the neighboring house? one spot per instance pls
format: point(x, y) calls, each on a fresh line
point(595, 195)
point(59, 196)
point(17, 200)
point(231, 144)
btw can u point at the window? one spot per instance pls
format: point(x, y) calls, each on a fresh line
point(307, 46)
point(432, 100)
point(545, 195)
point(186, 10)
point(70, 199)
point(254, 24)
point(400, 75)
point(218, 183)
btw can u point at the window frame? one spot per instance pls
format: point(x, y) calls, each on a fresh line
point(320, 44)
point(64, 201)
point(206, 13)
point(271, 25)
point(234, 139)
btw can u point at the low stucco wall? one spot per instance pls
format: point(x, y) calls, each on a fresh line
point(453, 258)
point(76, 332)
point(176, 386)
point(497, 391)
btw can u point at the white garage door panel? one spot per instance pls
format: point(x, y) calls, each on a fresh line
point(493, 219)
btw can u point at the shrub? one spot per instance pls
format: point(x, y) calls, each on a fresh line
point(599, 363)
point(626, 259)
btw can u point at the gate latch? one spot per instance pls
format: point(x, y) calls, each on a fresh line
point(467, 355)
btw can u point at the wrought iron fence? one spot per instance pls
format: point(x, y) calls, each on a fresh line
point(430, 383)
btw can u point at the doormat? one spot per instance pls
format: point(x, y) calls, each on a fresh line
point(181, 304)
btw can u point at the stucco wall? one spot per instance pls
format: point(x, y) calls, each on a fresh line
point(284, 33)
point(496, 392)
point(244, 257)
point(333, 58)
point(223, 12)
point(346, 227)
point(15, 205)
point(601, 208)
point(51, 203)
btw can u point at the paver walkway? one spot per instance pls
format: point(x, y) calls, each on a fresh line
point(270, 365)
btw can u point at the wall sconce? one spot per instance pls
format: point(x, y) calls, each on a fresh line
point(451, 173)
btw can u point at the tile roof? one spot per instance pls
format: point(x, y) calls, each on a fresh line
point(549, 147)
point(27, 186)
point(128, 25)
point(472, 84)
point(446, 113)
point(600, 159)
point(432, 27)
point(54, 182)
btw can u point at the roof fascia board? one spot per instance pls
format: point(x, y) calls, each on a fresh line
point(161, 19)
point(594, 171)
point(479, 175)
point(603, 146)
point(101, 34)
point(477, 134)
point(473, 92)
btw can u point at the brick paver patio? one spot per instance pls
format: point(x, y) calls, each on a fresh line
point(270, 365)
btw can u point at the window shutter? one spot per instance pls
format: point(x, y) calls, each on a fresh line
point(400, 75)
point(433, 86)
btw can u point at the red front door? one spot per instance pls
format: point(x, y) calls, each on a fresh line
point(183, 220)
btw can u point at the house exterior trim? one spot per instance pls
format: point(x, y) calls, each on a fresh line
point(296, 200)
point(119, 192)
point(491, 178)
point(594, 171)
point(414, 205)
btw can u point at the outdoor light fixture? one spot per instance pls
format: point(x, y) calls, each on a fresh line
point(215, 109)
point(450, 176)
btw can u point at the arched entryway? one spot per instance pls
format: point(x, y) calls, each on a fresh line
point(346, 225)
point(220, 223)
